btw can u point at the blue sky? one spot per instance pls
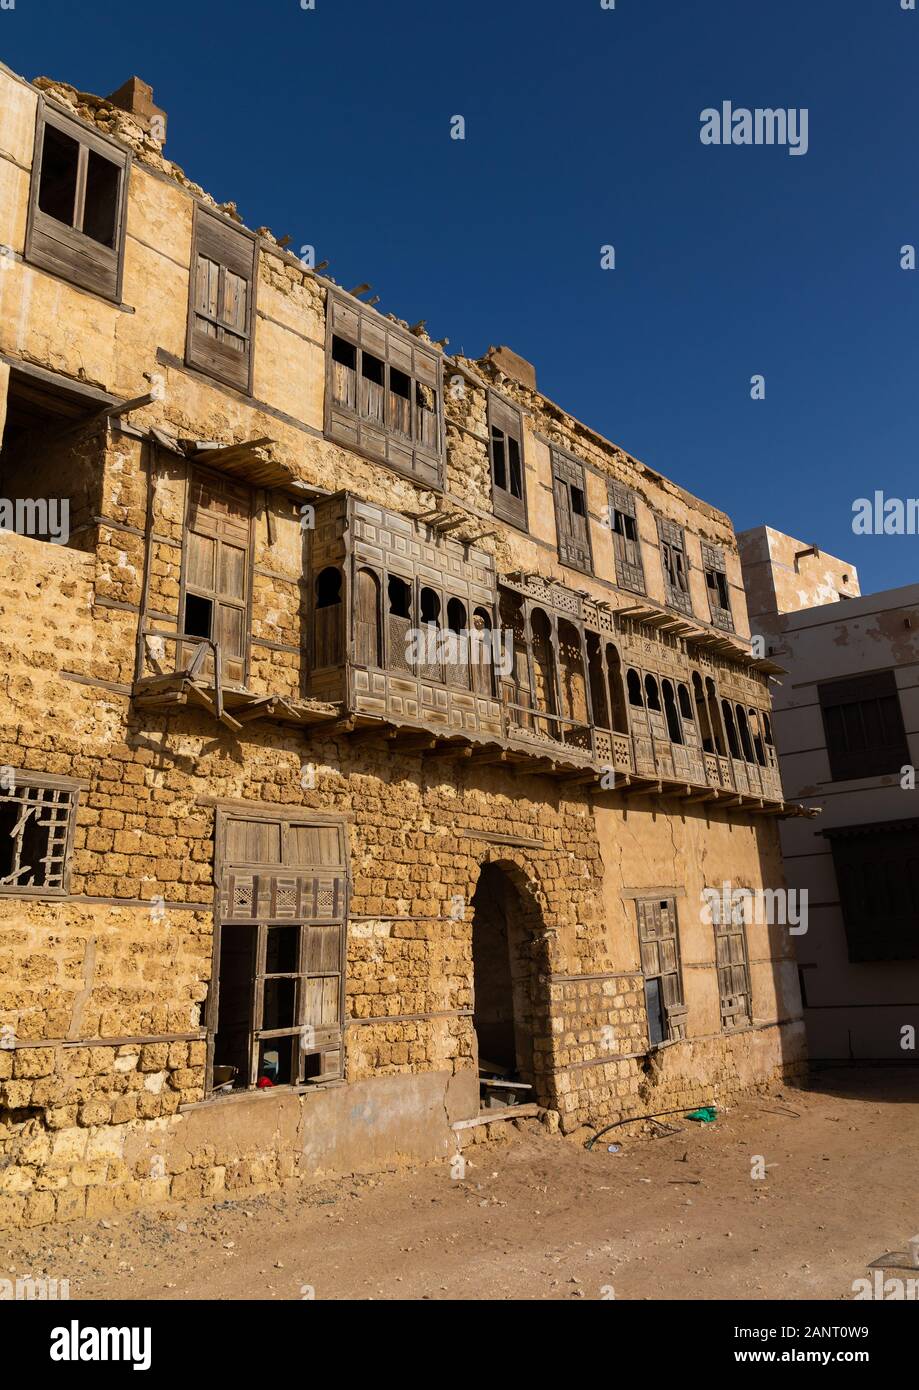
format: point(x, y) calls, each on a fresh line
point(582, 130)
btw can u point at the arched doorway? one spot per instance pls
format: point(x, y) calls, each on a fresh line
point(509, 1008)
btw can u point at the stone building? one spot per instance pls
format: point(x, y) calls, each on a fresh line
point(366, 719)
point(847, 731)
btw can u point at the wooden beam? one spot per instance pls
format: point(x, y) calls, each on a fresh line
point(542, 768)
point(652, 789)
point(411, 741)
point(484, 758)
point(711, 795)
point(449, 752)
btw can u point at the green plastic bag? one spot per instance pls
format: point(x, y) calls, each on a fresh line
point(707, 1115)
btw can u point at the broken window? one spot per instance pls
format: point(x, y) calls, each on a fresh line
point(733, 968)
point(216, 578)
point(505, 436)
point(36, 834)
point(673, 560)
point(660, 966)
point(51, 460)
point(76, 218)
point(630, 572)
point(716, 583)
point(571, 512)
point(383, 391)
point(863, 724)
point(222, 292)
point(276, 1014)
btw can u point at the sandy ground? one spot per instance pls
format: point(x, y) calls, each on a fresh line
point(539, 1217)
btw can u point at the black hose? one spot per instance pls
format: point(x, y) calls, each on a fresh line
point(679, 1110)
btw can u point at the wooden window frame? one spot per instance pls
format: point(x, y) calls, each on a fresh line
point(284, 818)
point(658, 924)
point(60, 790)
point(855, 693)
point(672, 538)
point(347, 425)
point(196, 473)
point(233, 249)
point(568, 472)
point(630, 574)
point(733, 1016)
point(877, 881)
point(713, 566)
point(66, 250)
point(504, 417)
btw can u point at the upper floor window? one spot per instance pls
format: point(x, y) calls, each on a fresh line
point(623, 520)
point(719, 598)
point(505, 444)
point(864, 726)
point(216, 575)
point(221, 309)
point(877, 870)
point(383, 392)
point(571, 518)
point(77, 204)
point(673, 560)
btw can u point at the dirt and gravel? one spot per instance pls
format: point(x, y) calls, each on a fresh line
point(538, 1217)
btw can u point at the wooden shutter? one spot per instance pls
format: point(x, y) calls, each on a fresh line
point(863, 723)
point(221, 308)
point(674, 564)
point(718, 603)
point(404, 432)
point(292, 873)
point(505, 447)
point(660, 958)
point(733, 973)
point(217, 568)
point(877, 870)
point(367, 615)
point(572, 525)
point(630, 572)
point(68, 248)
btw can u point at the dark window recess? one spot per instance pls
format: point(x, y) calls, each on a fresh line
point(199, 615)
point(877, 870)
point(36, 833)
point(673, 561)
point(659, 947)
point(716, 583)
point(77, 205)
point(505, 434)
point(383, 392)
point(630, 572)
point(221, 310)
point(571, 513)
point(864, 726)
